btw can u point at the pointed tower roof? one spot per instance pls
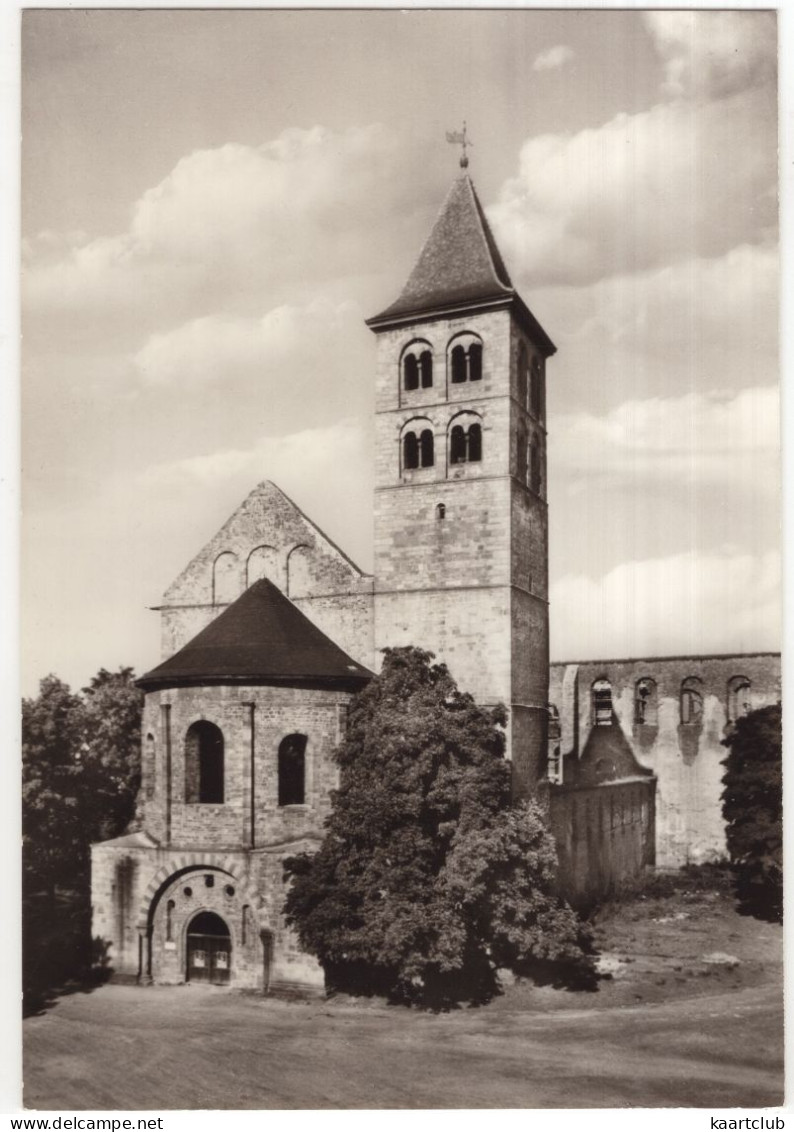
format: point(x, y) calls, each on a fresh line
point(261, 638)
point(459, 268)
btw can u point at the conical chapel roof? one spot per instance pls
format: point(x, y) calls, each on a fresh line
point(260, 638)
point(459, 266)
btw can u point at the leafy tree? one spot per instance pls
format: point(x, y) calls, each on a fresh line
point(52, 848)
point(427, 880)
point(752, 805)
point(80, 772)
point(110, 752)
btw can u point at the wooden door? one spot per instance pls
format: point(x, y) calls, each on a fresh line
point(209, 950)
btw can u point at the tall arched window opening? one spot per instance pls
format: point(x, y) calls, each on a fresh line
point(534, 464)
point(465, 360)
point(523, 375)
point(536, 389)
point(410, 372)
point(554, 756)
point(474, 436)
point(410, 451)
point(426, 454)
point(465, 444)
point(646, 706)
point(426, 368)
point(692, 700)
point(738, 697)
point(149, 765)
point(457, 445)
point(475, 361)
point(292, 770)
point(602, 703)
point(169, 920)
point(521, 455)
point(458, 364)
point(204, 763)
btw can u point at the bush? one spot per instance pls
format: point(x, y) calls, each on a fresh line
point(428, 880)
point(752, 805)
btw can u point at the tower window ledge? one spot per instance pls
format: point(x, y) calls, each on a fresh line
point(464, 471)
point(421, 475)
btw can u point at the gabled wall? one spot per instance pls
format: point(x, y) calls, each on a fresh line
point(268, 535)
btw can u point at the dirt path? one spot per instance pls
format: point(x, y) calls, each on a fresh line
point(691, 1015)
point(161, 1048)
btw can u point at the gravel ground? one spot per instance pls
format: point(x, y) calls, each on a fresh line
point(690, 1014)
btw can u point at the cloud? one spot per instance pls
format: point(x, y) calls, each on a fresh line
point(328, 470)
point(554, 58)
point(289, 344)
point(235, 220)
point(697, 324)
point(119, 548)
point(641, 191)
point(714, 54)
point(681, 604)
point(696, 439)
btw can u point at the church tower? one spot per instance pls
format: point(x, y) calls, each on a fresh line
point(461, 531)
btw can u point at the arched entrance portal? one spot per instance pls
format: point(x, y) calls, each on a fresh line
point(209, 950)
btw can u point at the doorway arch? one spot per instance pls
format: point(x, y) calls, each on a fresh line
point(209, 950)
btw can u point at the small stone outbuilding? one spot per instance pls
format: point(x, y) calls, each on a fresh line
point(239, 727)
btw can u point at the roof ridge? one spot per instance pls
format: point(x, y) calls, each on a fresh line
point(502, 274)
point(317, 528)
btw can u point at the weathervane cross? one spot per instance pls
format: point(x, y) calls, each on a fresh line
point(458, 137)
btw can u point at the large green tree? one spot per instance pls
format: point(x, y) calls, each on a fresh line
point(80, 774)
point(110, 752)
point(428, 880)
point(52, 838)
point(752, 805)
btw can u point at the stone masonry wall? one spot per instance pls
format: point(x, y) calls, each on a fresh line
point(685, 757)
point(461, 549)
point(276, 713)
point(144, 900)
point(269, 536)
point(604, 836)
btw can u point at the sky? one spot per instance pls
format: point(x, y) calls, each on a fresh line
point(213, 202)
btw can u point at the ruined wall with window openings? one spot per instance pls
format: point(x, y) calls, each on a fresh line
point(674, 712)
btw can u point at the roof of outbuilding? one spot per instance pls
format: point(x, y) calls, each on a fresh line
point(260, 638)
point(607, 757)
point(459, 262)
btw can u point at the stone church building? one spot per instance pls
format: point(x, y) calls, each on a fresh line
point(271, 629)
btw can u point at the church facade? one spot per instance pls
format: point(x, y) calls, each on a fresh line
point(271, 629)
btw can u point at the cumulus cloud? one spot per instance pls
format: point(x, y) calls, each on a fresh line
point(235, 220)
point(714, 54)
point(685, 603)
point(695, 440)
point(642, 190)
point(699, 323)
point(289, 343)
point(554, 58)
point(328, 471)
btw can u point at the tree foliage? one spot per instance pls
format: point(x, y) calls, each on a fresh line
point(51, 812)
point(80, 776)
point(428, 880)
point(752, 805)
